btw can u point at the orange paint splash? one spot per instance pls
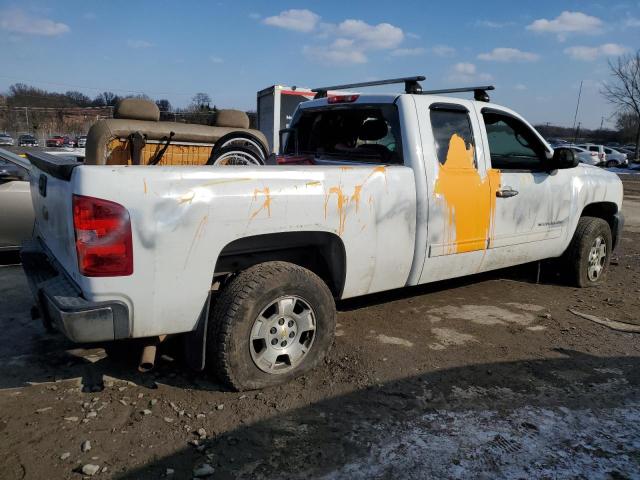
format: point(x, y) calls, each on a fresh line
point(470, 199)
point(342, 201)
point(266, 204)
point(144, 181)
point(356, 196)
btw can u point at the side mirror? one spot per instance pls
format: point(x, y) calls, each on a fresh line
point(564, 158)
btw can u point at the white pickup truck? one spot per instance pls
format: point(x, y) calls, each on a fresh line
point(369, 193)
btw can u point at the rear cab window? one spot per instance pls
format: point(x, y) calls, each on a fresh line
point(359, 133)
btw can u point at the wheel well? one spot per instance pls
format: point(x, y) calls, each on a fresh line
point(603, 210)
point(321, 252)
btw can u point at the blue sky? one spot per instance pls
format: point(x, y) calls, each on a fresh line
point(536, 53)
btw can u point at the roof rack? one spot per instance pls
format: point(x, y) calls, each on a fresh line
point(411, 85)
point(479, 93)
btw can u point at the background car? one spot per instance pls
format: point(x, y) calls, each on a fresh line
point(55, 141)
point(599, 149)
point(81, 141)
point(27, 140)
point(6, 139)
point(16, 214)
point(585, 156)
point(617, 156)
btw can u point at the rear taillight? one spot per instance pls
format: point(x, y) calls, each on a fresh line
point(343, 99)
point(103, 237)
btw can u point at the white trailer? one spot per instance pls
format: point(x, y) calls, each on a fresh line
point(276, 105)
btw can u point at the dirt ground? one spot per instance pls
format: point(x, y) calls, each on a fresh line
point(485, 377)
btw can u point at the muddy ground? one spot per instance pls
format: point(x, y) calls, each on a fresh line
point(486, 377)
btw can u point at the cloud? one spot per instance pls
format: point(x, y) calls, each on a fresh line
point(443, 50)
point(299, 20)
point(464, 72)
point(89, 16)
point(215, 59)
point(139, 44)
point(17, 21)
point(493, 24)
point(255, 16)
point(353, 38)
point(567, 23)
point(415, 36)
point(520, 87)
point(589, 54)
point(407, 52)
point(335, 55)
point(503, 54)
point(632, 22)
point(371, 37)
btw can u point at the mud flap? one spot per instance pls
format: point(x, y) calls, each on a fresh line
point(195, 342)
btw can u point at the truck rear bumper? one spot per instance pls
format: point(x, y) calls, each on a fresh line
point(62, 303)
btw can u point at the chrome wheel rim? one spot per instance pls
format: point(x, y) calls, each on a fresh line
point(237, 158)
point(247, 143)
point(597, 258)
point(282, 335)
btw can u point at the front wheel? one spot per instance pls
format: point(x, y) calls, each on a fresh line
point(589, 253)
point(270, 324)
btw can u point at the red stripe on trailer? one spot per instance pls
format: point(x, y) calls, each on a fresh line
point(297, 92)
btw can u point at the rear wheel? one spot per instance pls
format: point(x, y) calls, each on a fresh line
point(270, 324)
point(589, 253)
point(611, 163)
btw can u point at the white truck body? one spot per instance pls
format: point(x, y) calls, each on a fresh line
point(397, 225)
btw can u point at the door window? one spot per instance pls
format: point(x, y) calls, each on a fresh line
point(512, 144)
point(446, 124)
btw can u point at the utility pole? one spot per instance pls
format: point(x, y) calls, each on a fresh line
point(575, 138)
point(26, 114)
point(575, 117)
point(601, 122)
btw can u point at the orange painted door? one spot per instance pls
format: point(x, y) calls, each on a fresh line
point(462, 202)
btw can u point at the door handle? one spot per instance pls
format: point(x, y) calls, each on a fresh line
point(506, 192)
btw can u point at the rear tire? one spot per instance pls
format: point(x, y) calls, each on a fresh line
point(589, 252)
point(612, 163)
point(270, 324)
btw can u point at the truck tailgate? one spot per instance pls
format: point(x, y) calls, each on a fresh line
point(51, 194)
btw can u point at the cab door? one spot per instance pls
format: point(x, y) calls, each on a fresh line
point(529, 204)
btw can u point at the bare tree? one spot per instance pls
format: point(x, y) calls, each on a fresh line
point(624, 90)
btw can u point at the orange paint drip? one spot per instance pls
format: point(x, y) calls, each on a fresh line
point(470, 199)
point(266, 204)
point(342, 201)
point(144, 181)
point(356, 196)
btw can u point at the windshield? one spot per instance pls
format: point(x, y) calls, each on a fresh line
point(359, 133)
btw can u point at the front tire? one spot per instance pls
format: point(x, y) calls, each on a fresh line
point(589, 253)
point(270, 324)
